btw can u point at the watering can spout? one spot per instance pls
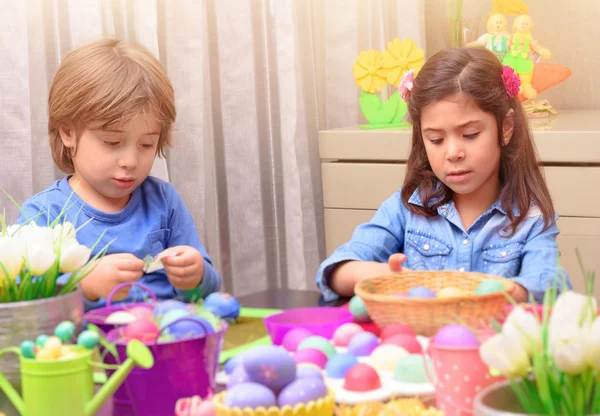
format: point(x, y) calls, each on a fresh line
point(137, 355)
point(8, 388)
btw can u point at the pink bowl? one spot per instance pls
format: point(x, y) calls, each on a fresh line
point(321, 321)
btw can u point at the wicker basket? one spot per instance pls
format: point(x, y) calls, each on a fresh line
point(426, 316)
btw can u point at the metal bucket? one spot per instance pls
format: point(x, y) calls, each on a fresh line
point(26, 320)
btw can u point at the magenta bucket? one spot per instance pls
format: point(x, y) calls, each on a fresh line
point(181, 369)
point(322, 321)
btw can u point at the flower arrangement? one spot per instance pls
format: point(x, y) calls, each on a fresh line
point(552, 361)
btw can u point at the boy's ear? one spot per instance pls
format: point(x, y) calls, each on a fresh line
point(68, 136)
point(508, 127)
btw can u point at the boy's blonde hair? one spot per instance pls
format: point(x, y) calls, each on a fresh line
point(105, 84)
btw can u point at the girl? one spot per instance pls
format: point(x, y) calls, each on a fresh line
point(474, 197)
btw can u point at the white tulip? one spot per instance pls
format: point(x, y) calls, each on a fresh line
point(39, 249)
point(505, 354)
point(64, 233)
point(525, 327)
point(569, 350)
point(11, 257)
point(570, 312)
point(592, 347)
point(73, 256)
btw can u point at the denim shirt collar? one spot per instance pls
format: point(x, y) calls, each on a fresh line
point(415, 199)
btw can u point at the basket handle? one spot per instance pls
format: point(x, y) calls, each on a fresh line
point(183, 318)
point(122, 285)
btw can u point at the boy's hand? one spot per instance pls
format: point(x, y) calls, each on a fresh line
point(110, 271)
point(184, 266)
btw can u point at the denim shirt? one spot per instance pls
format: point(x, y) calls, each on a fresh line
point(529, 257)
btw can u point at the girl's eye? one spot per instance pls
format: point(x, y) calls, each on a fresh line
point(147, 146)
point(471, 136)
point(436, 141)
point(111, 144)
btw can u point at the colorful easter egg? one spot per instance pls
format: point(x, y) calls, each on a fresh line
point(363, 344)
point(238, 376)
point(421, 292)
point(294, 337)
point(141, 312)
point(361, 378)
point(412, 369)
point(65, 330)
point(303, 390)
point(396, 329)
point(120, 318)
point(339, 365)
point(489, 286)
point(318, 343)
point(455, 335)
point(28, 349)
point(88, 339)
point(270, 366)
point(451, 292)
point(387, 356)
point(358, 309)
point(171, 316)
point(166, 305)
point(308, 371)
point(44, 355)
point(190, 327)
point(53, 346)
point(344, 333)
point(311, 356)
point(251, 395)
point(142, 330)
point(40, 341)
point(232, 363)
point(223, 305)
point(408, 342)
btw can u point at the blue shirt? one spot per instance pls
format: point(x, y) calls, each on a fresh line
point(154, 219)
point(529, 257)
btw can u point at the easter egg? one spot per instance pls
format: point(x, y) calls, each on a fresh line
point(67, 353)
point(363, 344)
point(120, 318)
point(339, 365)
point(171, 316)
point(293, 338)
point(166, 305)
point(400, 295)
point(308, 371)
point(396, 329)
point(411, 369)
point(387, 356)
point(142, 330)
point(238, 376)
point(303, 390)
point(223, 305)
point(88, 339)
point(489, 286)
point(358, 309)
point(65, 330)
point(455, 335)
point(421, 292)
point(311, 356)
point(28, 349)
point(451, 292)
point(361, 378)
point(270, 366)
point(251, 395)
point(190, 327)
point(40, 341)
point(212, 319)
point(232, 363)
point(44, 355)
point(141, 312)
point(318, 343)
point(344, 333)
point(408, 342)
point(53, 346)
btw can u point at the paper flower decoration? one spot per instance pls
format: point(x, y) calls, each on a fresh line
point(367, 71)
point(400, 57)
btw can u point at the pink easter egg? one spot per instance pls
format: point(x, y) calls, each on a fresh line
point(294, 337)
point(362, 378)
point(142, 330)
point(141, 312)
point(206, 408)
point(406, 341)
point(455, 335)
point(311, 356)
point(344, 333)
point(396, 329)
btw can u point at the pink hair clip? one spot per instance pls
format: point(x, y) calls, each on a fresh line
point(406, 84)
point(512, 83)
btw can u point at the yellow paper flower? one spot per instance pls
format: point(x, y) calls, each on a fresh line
point(400, 57)
point(367, 71)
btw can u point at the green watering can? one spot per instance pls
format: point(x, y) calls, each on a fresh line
point(66, 386)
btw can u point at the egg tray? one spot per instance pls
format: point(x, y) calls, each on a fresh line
point(321, 407)
point(427, 316)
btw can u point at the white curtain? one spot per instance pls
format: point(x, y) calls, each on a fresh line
point(255, 80)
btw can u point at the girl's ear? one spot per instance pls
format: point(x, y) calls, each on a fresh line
point(68, 137)
point(508, 127)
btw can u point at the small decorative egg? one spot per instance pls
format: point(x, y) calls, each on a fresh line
point(421, 292)
point(190, 327)
point(142, 330)
point(223, 305)
point(44, 355)
point(65, 330)
point(455, 335)
point(120, 318)
point(303, 390)
point(361, 378)
point(88, 339)
point(308, 371)
point(141, 312)
point(489, 286)
point(251, 395)
point(412, 369)
point(293, 338)
point(408, 342)
point(396, 329)
point(238, 376)
point(166, 305)
point(53, 346)
point(387, 356)
point(40, 341)
point(318, 343)
point(451, 292)
point(363, 344)
point(270, 366)
point(358, 309)
point(232, 363)
point(344, 333)
point(311, 356)
point(66, 353)
point(28, 349)
point(171, 316)
point(339, 365)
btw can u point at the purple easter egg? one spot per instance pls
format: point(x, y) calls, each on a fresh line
point(238, 376)
point(363, 344)
point(344, 333)
point(251, 395)
point(308, 371)
point(270, 366)
point(293, 338)
point(421, 292)
point(455, 335)
point(311, 356)
point(303, 390)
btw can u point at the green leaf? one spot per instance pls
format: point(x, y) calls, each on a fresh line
point(375, 111)
point(402, 108)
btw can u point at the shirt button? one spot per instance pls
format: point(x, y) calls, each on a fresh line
point(426, 247)
point(504, 254)
point(462, 269)
point(443, 208)
point(465, 242)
